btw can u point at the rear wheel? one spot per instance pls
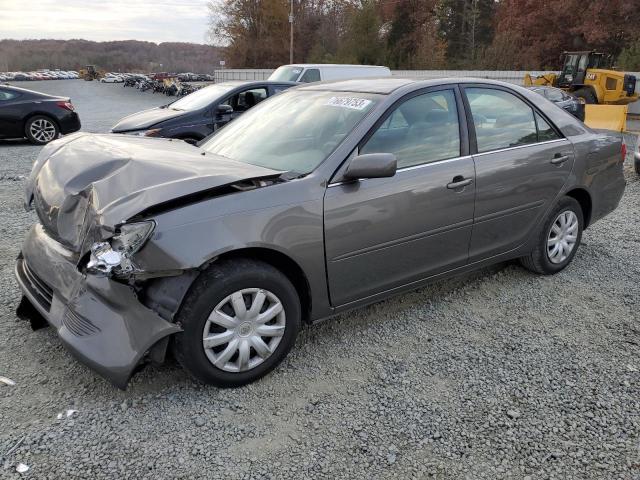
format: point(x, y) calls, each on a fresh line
point(41, 129)
point(239, 320)
point(558, 239)
point(587, 94)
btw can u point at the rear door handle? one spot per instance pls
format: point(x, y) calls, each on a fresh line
point(559, 160)
point(459, 182)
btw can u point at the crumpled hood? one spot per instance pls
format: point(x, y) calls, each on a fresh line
point(88, 180)
point(145, 119)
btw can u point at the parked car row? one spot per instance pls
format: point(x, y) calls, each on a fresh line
point(39, 75)
point(315, 199)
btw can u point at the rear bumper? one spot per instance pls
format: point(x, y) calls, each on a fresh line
point(69, 123)
point(100, 321)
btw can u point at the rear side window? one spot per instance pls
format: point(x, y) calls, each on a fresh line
point(310, 75)
point(420, 130)
point(545, 131)
point(501, 119)
point(4, 96)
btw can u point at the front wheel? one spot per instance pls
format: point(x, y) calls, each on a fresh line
point(240, 319)
point(558, 239)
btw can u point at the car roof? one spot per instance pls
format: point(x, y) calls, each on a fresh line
point(332, 65)
point(25, 90)
point(387, 85)
point(242, 83)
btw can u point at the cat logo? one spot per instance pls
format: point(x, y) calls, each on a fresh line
point(591, 76)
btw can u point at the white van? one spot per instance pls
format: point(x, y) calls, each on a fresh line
point(306, 72)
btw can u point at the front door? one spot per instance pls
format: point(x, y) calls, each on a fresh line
point(388, 232)
point(521, 163)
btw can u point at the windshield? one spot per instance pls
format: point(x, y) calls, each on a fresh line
point(201, 98)
point(286, 74)
point(294, 131)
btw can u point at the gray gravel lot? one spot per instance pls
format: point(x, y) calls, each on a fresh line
point(498, 374)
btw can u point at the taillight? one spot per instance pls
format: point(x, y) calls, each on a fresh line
point(66, 105)
point(623, 150)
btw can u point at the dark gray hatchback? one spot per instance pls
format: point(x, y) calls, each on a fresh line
point(324, 198)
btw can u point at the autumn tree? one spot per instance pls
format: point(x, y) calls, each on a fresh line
point(254, 32)
point(412, 38)
point(543, 29)
point(467, 28)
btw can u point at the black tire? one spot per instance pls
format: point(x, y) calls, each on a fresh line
point(212, 287)
point(636, 164)
point(587, 94)
point(41, 120)
point(538, 260)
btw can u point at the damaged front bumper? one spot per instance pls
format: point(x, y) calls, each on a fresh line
point(101, 321)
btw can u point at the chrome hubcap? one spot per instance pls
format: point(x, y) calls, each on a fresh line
point(243, 330)
point(562, 237)
point(42, 130)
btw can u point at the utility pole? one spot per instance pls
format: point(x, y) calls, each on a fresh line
point(291, 33)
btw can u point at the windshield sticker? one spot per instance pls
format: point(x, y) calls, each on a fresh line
point(354, 103)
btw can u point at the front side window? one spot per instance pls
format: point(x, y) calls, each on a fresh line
point(201, 98)
point(420, 130)
point(286, 74)
point(294, 131)
point(243, 101)
point(501, 119)
point(311, 75)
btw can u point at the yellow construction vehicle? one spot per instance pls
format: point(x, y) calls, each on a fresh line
point(90, 73)
point(589, 75)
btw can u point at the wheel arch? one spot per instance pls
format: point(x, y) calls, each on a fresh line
point(38, 113)
point(284, 263)
point(583, 197)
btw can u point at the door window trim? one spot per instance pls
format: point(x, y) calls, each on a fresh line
point(517, 147)
point(473, 143)
point(404, 169)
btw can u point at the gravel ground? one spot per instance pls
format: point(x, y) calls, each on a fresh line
point(498, 374)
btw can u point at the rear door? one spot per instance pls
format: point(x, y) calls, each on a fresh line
point(388, 232)
point(521, 164)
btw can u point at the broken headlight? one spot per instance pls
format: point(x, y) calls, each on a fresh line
point(114, 257)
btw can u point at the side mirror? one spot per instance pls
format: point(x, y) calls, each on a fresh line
point(372, 165)
point(224, 109)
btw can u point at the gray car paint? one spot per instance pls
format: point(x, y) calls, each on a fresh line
point(344, 244)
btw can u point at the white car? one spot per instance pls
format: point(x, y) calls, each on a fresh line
point(111, 79)
point(307, 72)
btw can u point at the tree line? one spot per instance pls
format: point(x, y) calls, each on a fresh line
point(425, 34)
point(119, 56)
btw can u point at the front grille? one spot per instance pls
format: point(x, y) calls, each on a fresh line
point(78, 325)
point(42, 292)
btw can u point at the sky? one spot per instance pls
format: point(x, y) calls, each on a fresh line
point(100, 20)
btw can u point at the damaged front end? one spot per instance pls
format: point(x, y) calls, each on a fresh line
point(115, 257)
point(95, 197)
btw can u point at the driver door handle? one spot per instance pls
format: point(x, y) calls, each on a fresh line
point(559, 159)
point(459, 182)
